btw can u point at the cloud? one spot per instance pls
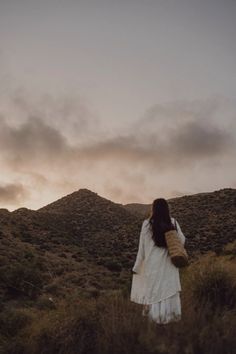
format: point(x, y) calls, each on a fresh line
point(13, 193)
point(189, 142)
point(167, 135)
point(168, 143)
point(198, 140)
point(198, 128)
point(31, 143)
point(69, 113)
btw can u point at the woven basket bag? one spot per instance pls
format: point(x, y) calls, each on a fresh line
point(177, 252)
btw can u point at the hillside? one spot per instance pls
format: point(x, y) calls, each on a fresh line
point(81, 242)
point(85, 242)
point(83, 246)
point(208, 220)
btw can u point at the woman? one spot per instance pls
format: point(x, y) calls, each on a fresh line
point(156, 281)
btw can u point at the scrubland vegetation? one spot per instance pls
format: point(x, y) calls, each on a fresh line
point(65, 278)
point(99, 321)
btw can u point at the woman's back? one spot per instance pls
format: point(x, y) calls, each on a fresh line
point(156, 282)
point(156, 277)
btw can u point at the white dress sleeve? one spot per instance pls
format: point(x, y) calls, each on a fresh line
point(180, 233)
point(141, 254)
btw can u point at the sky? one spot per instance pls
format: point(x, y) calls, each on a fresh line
point(131, 99)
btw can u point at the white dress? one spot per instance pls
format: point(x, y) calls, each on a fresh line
point(157, 282)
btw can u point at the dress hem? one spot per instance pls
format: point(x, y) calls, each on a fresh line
point(144, 302)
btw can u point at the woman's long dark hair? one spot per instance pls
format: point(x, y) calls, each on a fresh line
point(160, 221)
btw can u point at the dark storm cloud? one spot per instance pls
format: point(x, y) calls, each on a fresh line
point(31, 142)
point(190, 130)
point(191, 142)
point(13, 193)
point(69, 113)
point(168, 137)
point(166, 142)
point(197, 140)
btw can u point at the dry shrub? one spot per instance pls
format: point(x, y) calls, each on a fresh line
point(13, 320)
point(122, 326)
point(23, 278)
point(230, 250)
point(68, 330)
point(212, 285)
point(111, 323)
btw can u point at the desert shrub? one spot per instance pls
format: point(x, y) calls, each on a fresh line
point(25, 236)
point(63, 255)
point(112, 324)
point(230, 250)
point(214, 287)
point(217, 334)
point(28, 254)
point(67, 330)
point(13, 347)
point(53, 288)
point(100, 261)
point(84, 323)
point(45, 302)
point(22, 278)
point(122, 327)
point(12, 320)
point(91, 292)
point(113, 265)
